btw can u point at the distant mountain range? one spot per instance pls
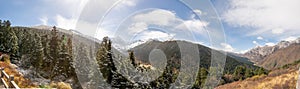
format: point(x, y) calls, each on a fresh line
point(271, 57)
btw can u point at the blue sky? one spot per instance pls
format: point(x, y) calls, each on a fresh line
point(247, 23)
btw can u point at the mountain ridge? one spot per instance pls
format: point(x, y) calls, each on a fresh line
point(259, 54)
point(205, 52)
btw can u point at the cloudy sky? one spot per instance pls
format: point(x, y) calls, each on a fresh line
point(246, 23)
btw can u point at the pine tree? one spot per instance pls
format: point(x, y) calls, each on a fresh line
point(248, 73)
point(7, 24)
point(70, 68)
point(2, 37)
point(64, 59)
point(70, 47)
point(201, 77)
point(239, 73)
point(54, 51)
point(9, 40)
point(105, 61)
point(107, 67)
point(13, 44)
point(132, 58)
point(47, 57)
point(260, 71)
point(26, 40)
point(0, 23)
point(54, 44)
point(37, 53)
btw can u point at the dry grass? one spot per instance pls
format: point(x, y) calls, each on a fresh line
point(284, 81)
point(6, 58)
point(22, 82)
point(60, 85)
point(19, 78)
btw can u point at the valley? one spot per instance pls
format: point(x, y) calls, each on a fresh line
point(53, 57)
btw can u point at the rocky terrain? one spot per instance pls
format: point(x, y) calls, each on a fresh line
point(260, 54)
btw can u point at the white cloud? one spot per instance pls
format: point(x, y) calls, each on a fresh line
point(277, 31)
point(84, 15)
point(137, 27)
point(260, 38)
point(128, 3)
point(276, 16)
point(102, 32)
point(82, 26)
point(291, 38)
point(227, 47)
point(140, 23)
point(162, 36)
point(168, 18)
point(67, 8)
point(194, 25)
point(243, 51)
point(65, 23)
point(198, 12)
point(270, 44)
point(157, 17)
point(44, 20)
point(160, 24)
point(255, 42)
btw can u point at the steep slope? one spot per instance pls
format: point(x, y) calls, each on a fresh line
point(258, 54)
point(274, 56)
point(281, 57)
point(284, 81)
point(281, 78)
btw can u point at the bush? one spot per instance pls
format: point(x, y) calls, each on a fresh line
point(62, 85)
point(6, 59)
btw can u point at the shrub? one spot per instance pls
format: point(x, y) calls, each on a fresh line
point(6, 59)
point(62, 85)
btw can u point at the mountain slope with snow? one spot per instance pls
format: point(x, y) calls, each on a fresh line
point(263, 55)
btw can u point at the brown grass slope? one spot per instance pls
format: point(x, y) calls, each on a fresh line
point(281, 78)
point(282, 57)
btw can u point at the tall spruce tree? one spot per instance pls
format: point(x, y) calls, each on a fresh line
point(70, 68)
point(54, 51)
point(9, 40)
point(47, 57)
point(62, 64)
point(132, 59)
point(104, 59)
point(37, 53)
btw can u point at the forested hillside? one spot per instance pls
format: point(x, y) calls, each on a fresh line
point(47, 52)
point(55, 55)
point(234, 70)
